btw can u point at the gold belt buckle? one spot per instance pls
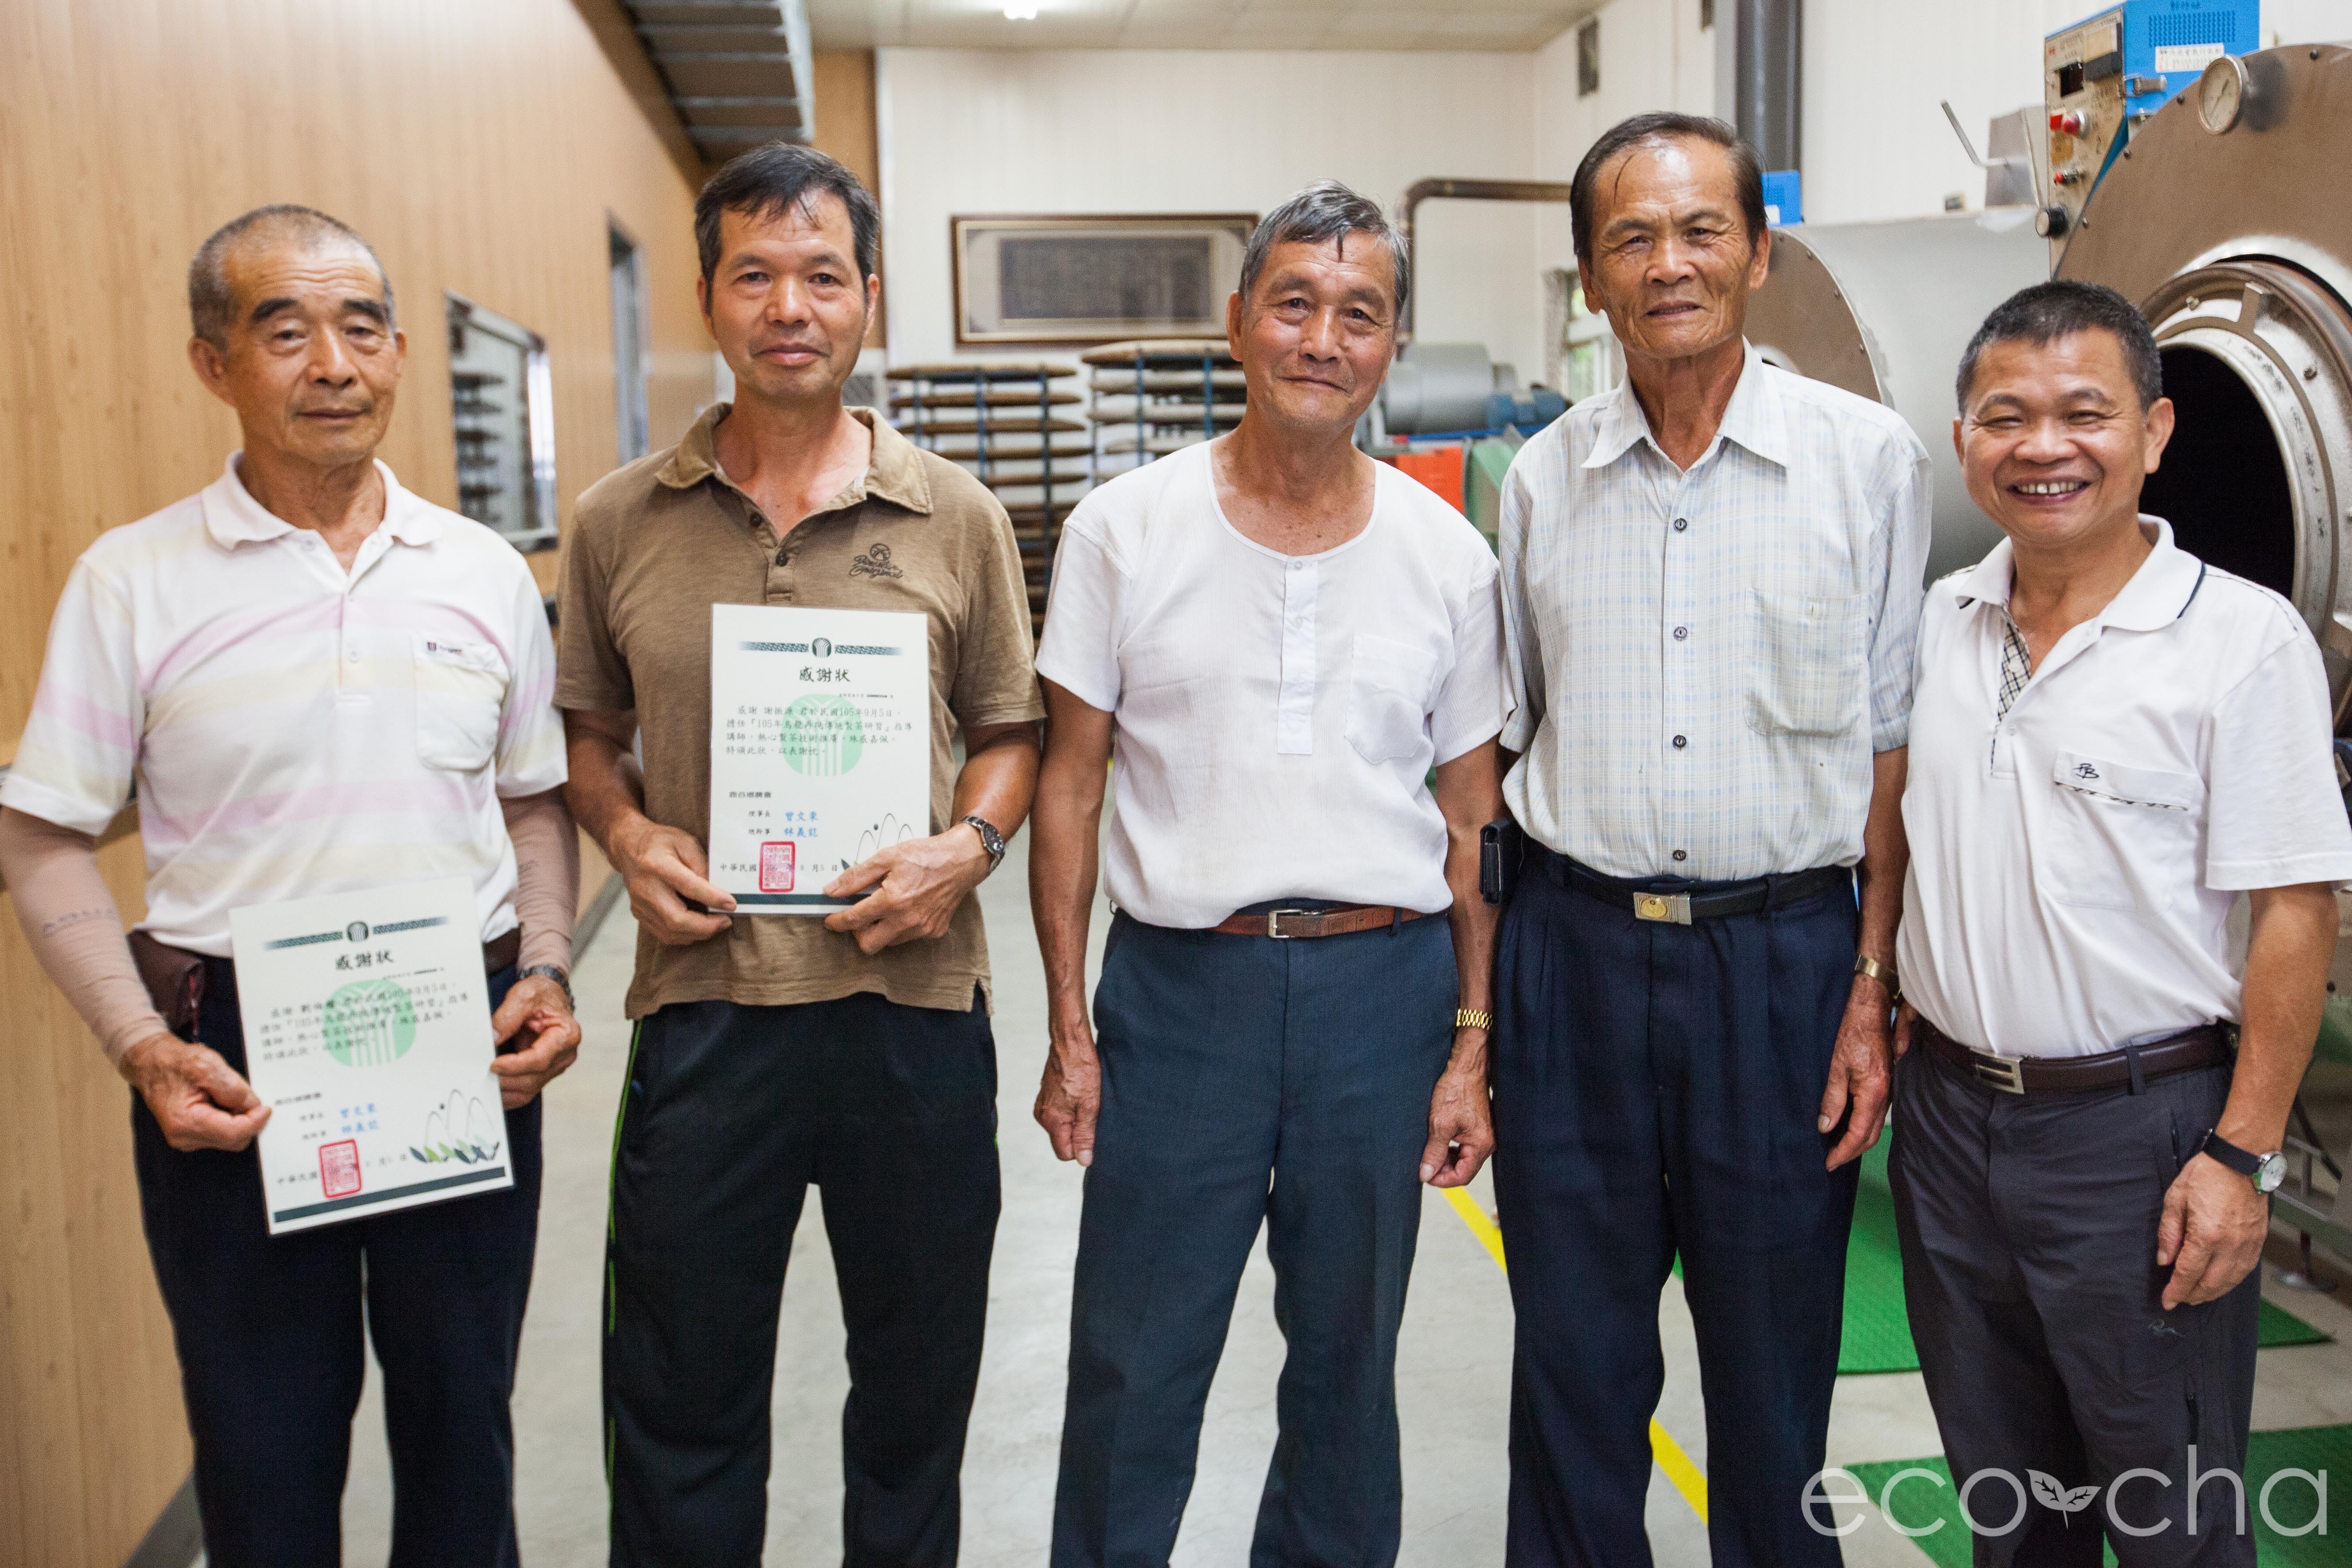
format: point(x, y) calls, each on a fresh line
point(1673, 909)
point(2005, 1074)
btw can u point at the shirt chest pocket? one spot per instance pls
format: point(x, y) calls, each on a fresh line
point(2121, 837)
point(461, 688)
point(1388, 699)
point(1805, 669)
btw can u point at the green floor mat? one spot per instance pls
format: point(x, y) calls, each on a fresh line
point(2319, 1451)
point(1878, 1335)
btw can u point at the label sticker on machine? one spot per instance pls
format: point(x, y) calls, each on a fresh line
point(2170, 57)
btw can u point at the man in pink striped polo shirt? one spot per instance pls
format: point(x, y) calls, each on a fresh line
point(319, 682)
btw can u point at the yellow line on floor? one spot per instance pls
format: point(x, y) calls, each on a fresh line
point(1687, 1477)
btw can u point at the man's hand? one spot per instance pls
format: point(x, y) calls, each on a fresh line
point(535, 1005)
point(199, 1100)
point(921, 883)
point(1461, 1118)
point(2212, 1231)
point(1861, 1072)
point(663, 868)
point(1071, 1095)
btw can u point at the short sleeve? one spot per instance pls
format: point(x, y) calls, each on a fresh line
point(530, 754)
point(1901, 504)
point(2273, 816)
point(996, 675)
point(1523, 657)
point(1081, 653)
point(590, 672)
point(80, 747)
point(1472, 705)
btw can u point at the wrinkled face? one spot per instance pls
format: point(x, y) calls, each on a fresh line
point(785, 304)
point(311, 363)
point(1672, 264)
point(1316, 334)
point(2053, 441)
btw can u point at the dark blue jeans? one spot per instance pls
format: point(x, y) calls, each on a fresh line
point(269, 1330)
point(730, 1113)
point(1656, 1090)
point(1249, 1082)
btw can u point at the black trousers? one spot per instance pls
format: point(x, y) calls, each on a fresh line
point(730, 1113)
point(2028, 1226)
point(1656, 1092)
point(269, 1330)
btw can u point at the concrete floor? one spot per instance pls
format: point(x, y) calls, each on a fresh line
point(1454, 1370)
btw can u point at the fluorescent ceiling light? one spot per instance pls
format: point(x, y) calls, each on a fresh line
point(1021, 10)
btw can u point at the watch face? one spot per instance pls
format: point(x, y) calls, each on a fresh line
point(2270, 1172)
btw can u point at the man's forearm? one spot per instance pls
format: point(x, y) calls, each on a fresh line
point(1885, 856)
point(75, 931)
point(547, 876)
point(603, 791)
point(999, 780)
point(1061, 872)
point(2287, 955)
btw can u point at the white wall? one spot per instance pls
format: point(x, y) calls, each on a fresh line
point(993, 130)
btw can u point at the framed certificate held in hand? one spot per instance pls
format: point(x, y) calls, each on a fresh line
point(367, 1033)
point(820, 748)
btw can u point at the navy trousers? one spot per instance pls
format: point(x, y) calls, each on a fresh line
point(1656, 1090)
point(269, 1330)
point(730, 1113)
point(1247, 1081)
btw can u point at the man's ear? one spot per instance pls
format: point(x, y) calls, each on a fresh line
point(703, 297)
point(1960, 443)
point(1233, 323)
point(2159, 420)
point(211, 367)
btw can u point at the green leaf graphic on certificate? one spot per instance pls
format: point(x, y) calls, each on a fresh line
point(822, 737)
point(369, 1024)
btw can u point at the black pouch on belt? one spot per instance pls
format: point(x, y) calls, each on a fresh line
point(1502, 845)
point(175, 982)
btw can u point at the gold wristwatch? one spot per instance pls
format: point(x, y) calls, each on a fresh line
point(1474, 1018)
point(1881, 973)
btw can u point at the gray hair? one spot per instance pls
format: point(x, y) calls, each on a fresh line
point(1323, 212)
point(212, 304)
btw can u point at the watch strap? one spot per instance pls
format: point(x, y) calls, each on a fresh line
point(1474, 1018)
point(1864, 965)
point(989, 838)
point(2228, 1154)
point(561, 978)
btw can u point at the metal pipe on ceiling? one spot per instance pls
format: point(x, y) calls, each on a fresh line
point(1770, 76)
point(1421, 190)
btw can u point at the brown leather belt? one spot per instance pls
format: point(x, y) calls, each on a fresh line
point(2207, 1044)
point(1286, 925)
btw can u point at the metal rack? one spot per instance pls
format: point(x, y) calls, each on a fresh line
point(1002, 420)
point(1153, 396)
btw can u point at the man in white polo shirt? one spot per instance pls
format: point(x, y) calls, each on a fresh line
point(2111, 740)
point(318, 682)
point(1281, 637)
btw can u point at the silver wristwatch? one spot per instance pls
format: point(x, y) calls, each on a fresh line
point(562, 979)
point(990, 839)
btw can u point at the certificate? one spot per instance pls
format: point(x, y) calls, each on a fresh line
point(820, 748)
point(367, 1033)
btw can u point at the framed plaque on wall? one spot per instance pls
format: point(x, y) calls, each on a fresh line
point(1095, 278)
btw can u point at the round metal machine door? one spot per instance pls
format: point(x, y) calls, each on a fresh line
point(1883, 309)
point(2227, 222)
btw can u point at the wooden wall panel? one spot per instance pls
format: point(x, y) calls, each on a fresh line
point(481, 148)
point(845, 126)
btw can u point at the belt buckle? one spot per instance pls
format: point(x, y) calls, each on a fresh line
point(1274, 925)
point(1673, 909)
point(2005, 1074)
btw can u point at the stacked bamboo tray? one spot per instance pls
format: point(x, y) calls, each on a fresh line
point(1154, 396)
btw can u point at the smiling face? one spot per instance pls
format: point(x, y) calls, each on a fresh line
point(2053, 440)
point(1671, 263)
point(309, 360)
point(1316, 334)
point(785, 304)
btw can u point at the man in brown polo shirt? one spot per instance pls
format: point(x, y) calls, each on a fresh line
point(774, 1051)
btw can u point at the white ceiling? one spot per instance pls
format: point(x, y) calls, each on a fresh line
point(1417, 25)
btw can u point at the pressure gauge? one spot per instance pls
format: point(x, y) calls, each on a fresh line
point(2221, 94)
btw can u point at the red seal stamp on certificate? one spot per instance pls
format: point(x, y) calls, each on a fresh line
point(776, 866)
point(338, 1169)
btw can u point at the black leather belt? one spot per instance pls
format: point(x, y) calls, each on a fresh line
point(1679, 902)
point(2207, 1044)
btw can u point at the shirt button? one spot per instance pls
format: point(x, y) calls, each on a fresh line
point(783, 557)
point(1681, 523)
point(1680, 742)
point(1680, 856)
point(1681, 632)
point(1298, 566)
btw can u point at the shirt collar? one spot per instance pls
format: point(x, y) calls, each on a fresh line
point(232, 516)
point(2157, 594)
point(1752, 418)
point(893, 474)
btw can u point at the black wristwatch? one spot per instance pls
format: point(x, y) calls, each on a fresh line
point(990, 839)
point(563, 981)
point(2265, 1171)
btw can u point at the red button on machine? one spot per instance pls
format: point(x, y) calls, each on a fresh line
point(2070, 121)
